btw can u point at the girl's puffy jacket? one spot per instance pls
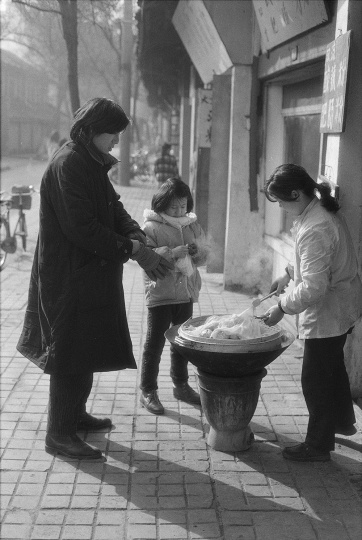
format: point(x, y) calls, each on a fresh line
point(163, 234)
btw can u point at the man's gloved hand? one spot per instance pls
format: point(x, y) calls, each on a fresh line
point(155, 266)
point(192, 249)
point(138, 235)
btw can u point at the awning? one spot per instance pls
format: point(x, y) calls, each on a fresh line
point(200, 38)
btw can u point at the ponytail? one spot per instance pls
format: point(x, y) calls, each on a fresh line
point(327, 200)
point(290, 177)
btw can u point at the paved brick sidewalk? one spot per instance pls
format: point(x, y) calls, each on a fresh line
point(160, 480)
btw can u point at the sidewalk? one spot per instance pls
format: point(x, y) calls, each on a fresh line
point(160, 480)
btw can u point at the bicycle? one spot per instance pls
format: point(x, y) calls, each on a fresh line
point(20, 200)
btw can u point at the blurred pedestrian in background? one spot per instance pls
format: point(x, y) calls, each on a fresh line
point(165, 166)
point(75, 322)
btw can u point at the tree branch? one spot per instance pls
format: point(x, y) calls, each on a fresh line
point(98, 69)
point(29, 47)
point(22, 3)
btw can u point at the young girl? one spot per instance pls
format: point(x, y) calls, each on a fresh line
point(328, 297)
point(173, 232)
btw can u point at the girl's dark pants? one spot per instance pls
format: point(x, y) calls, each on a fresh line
point(326, 390)
point(68, 396)
point(159, 320)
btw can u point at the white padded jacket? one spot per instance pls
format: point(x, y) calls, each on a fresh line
point(328, 290)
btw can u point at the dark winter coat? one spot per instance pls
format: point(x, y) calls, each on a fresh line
point(76, 319)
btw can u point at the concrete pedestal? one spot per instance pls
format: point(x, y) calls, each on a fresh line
point(229, 404)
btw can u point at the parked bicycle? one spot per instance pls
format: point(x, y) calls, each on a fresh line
point(20, 199)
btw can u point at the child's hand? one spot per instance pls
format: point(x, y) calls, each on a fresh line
point(192, 249)
point(180, 252)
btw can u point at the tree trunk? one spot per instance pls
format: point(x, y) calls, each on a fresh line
point(135, 130)
point(127, 41)
point(68, 9)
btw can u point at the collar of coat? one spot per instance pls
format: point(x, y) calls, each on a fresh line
point(102, 159)
point(177, 222)
point(299, 219)
point(306, 210)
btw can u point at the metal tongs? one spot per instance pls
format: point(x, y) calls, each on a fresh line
point(257, 302)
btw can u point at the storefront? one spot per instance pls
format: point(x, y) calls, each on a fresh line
point(304, 124)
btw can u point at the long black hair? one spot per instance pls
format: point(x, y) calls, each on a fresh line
point(173, 188)
point(289, 177)
point(96, 116)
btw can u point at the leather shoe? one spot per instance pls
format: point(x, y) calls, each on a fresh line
point(184, 392)
point(151, 402)
point(70, 446)
point(87, 422)
point(347, 431)
point(304, 452)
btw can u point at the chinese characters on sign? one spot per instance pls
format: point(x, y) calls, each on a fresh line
point(335, 84)
point(204, 118)
point(280, 20)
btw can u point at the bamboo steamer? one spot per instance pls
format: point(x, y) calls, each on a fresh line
point(268, 342)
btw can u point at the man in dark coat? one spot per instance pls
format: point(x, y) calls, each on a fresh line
point(75, 322)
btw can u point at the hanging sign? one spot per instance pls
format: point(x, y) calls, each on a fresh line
point(198, 33)
point(280, 20)
point(335, 85)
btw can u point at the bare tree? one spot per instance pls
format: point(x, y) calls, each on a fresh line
point(67, 10)
point(100, 46)
point(90, 50)
point(38, 38)
point(69, 14)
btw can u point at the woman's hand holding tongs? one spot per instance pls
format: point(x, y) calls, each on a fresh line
point(274, 314)
point(280, 284)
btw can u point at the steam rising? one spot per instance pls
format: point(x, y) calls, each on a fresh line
point(258, 271)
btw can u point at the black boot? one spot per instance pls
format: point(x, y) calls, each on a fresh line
point(151, 402)
point(304, 452)
point(184, 392)
point(70, 446)
point(87, 422)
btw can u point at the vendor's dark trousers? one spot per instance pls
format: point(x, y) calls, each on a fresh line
point(326, 390)
point(159, 320)
point(68, 395)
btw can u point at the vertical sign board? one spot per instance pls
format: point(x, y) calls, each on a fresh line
point(280, 20)
point(203, 134)
point(204, 118)
point(335, 85)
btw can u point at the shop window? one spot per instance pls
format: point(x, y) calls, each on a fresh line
point(301, 113)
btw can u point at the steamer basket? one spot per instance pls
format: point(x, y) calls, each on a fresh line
point(264, 343)
point(235, 348)
point(226, 363)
